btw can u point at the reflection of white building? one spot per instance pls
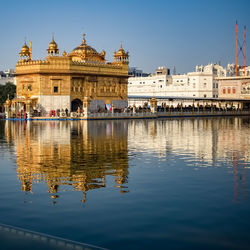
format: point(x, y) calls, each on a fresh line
point(172, 137)
point(201, 83)
point(206, 140)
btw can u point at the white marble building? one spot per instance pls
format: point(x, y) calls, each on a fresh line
point(201, 83)
point(7, 76)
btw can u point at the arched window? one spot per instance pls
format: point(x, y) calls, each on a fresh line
point(224, 91)
point(234, 90)
point(229, 90)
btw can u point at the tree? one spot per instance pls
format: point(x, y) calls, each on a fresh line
point(9, 89)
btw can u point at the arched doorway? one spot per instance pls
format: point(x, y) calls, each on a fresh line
point(75, 104)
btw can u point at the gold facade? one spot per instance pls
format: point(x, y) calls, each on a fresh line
point(82, 73)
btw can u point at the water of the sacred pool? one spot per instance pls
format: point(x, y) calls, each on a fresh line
point(125, 184)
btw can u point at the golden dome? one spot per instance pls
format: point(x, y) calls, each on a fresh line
point(25, 49)
point(85, 52)
point(25, 54)
point(53, 49)
point(8, 102)
point(121, 51)
point(121, 57)
point(64, 53)
point(52, 45)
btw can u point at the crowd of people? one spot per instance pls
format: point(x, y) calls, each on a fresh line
point(131, 109)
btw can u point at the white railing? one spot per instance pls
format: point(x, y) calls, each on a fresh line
point(119, 115)
point(127, 115)
point(165, 114)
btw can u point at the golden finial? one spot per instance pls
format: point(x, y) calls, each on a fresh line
point(83, 39)
point(53, 34)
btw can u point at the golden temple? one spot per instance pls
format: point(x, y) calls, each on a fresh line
point(71, 80)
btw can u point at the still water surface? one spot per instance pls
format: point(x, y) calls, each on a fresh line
point(139, 184)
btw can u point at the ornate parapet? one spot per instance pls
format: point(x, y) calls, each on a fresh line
point(98, 68)
point(32, 62)
point(66, 65)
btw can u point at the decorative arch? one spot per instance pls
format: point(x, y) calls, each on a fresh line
point(75, 104)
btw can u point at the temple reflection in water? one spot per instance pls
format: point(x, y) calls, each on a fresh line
point(80, 154)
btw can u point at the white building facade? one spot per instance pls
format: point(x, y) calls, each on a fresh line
point(7, 76)
point(201, 83)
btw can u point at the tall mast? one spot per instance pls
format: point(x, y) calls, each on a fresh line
point(245, 44)
point(236, 49)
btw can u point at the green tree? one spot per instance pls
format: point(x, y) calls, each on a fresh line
point(9, 89)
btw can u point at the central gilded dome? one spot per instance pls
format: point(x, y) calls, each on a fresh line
point(86, 53)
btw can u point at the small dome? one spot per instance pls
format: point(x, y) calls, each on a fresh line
point(25, 49)
point(52, 45)
point(121, 51)
point(53, 49)
point(25, 53)
point(8, 102)
point(64, 53)
point(121, 57)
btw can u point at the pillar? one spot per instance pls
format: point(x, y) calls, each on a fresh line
point(7, 107)
point(241, 106)
point(86, 104)
point(7, 110)
point(134, 109)
point(28, 109)
point(153, 105)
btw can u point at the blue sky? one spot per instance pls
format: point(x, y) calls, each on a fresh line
point(156, 33)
